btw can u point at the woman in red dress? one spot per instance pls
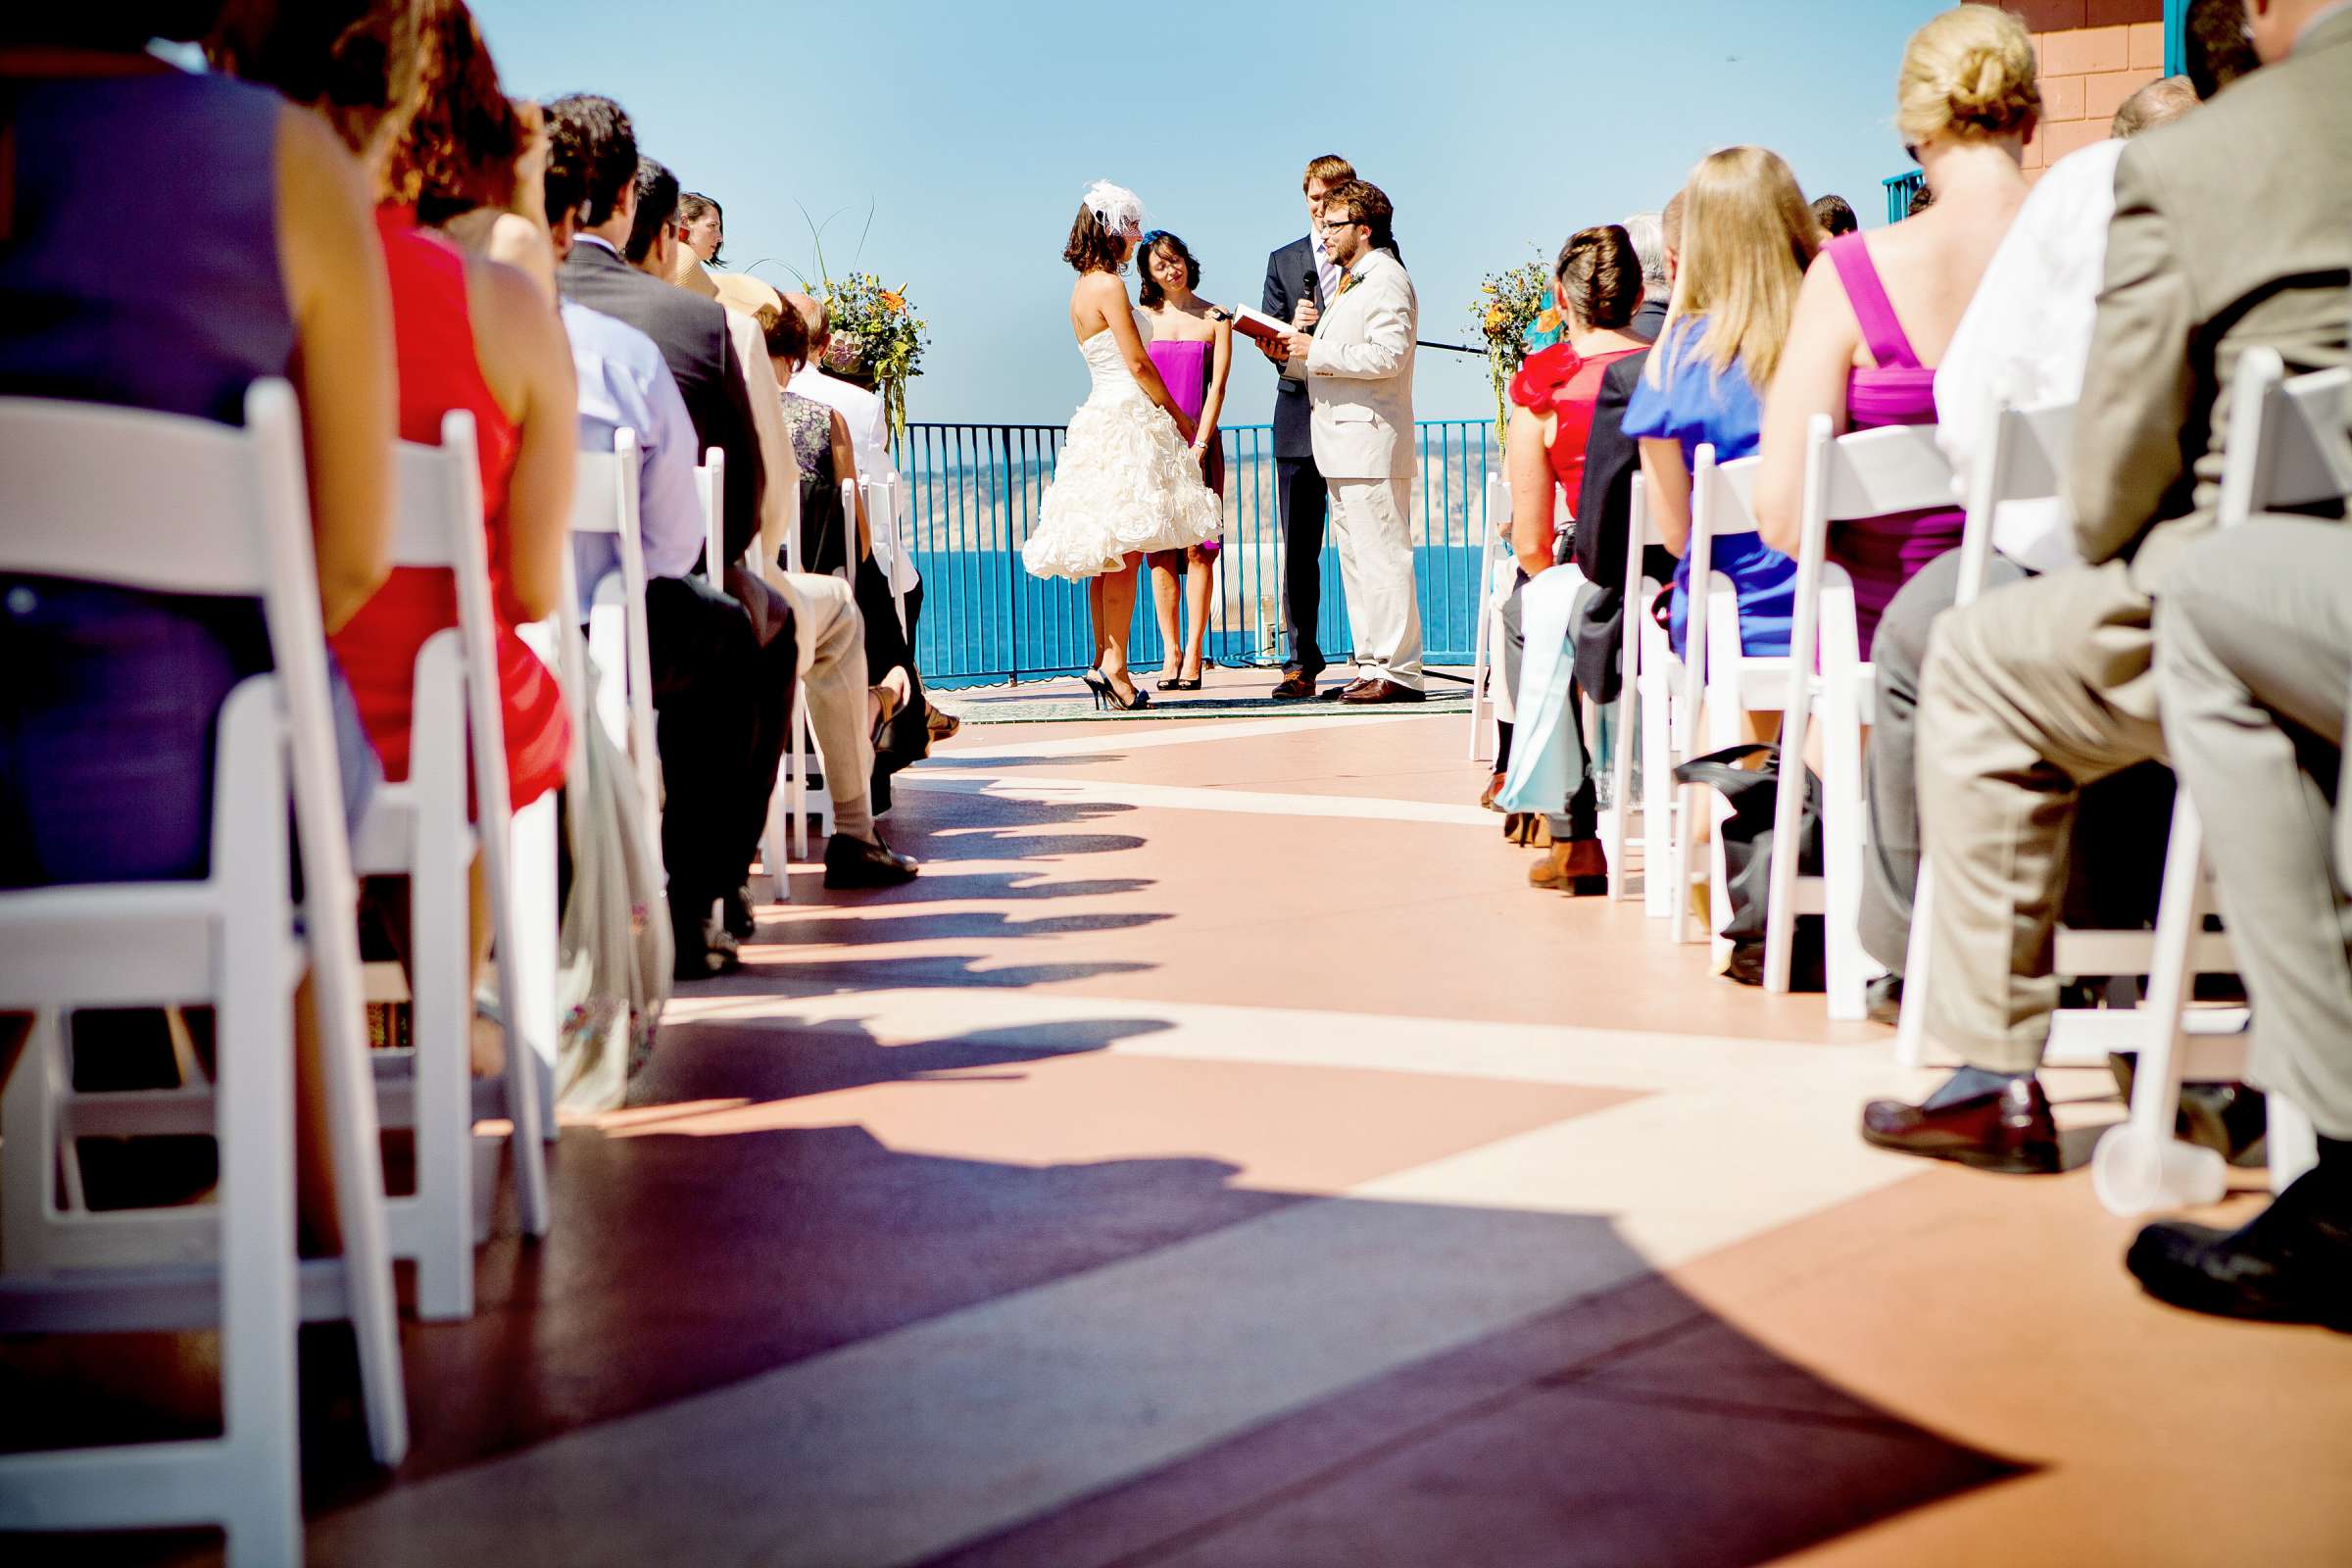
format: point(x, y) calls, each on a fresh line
point(1598, 280)
point(469, 333)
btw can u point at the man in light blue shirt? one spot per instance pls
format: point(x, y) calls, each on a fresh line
point(625, 385)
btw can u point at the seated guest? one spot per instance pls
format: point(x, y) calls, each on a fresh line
point(2024, 337)
point(2222, 242)
point(1877, 311)
point(870, 441)
point(1605, 495)
point(273, 268)
point(1597, 285)
point(699, 234)
point(2253, 663)
point(652, 247)
point(489, 206)
point(1836, 216)
point(1648, 232)
point(1749, 238)
point(719, 654)
point(470, 334)
point(822, 445)
point(816, 599)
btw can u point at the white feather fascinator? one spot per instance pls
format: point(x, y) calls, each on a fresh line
point(1117, 208)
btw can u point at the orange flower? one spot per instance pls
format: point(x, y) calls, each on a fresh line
point(893, 301)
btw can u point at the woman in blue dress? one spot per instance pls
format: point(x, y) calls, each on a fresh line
point(1747, 238)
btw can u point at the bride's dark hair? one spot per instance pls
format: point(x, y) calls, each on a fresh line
point(1091, 247)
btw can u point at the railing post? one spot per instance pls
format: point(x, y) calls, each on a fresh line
point(1013, 556)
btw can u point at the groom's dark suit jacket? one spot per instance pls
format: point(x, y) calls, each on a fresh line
point(691, 335)
point(1288, 272)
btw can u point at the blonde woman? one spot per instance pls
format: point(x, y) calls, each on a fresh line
point(1747, 238)
point(1876, 313)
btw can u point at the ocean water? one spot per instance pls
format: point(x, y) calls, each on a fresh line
point(974, 492)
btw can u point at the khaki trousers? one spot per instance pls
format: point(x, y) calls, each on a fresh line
point(1371, 521)
point(2253, 660)
point(833, 639)
point(2029, 694)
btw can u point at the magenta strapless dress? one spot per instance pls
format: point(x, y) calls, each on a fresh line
point(1184, 367)
point(1881, 553)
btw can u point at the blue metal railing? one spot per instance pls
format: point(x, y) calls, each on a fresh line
point(1900, 188)
point(974, 491)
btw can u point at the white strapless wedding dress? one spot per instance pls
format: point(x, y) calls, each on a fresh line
point(1125, 480)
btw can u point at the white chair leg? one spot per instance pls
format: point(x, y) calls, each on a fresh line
point(1911, 1026)
point(796, 778)
point(531, 1006)
point(2294, 1142)
point(1616, 825)
point(2139, 1165)
point(1842, 840)
point(258, 1311)
point(538, 922)
point(439, 1222)
point(1658, 797)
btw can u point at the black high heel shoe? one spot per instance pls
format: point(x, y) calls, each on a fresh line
point(1099, 684)
point(1109, 693)
point(1179, 683)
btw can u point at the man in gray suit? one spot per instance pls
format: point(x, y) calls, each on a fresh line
point(2232, 228)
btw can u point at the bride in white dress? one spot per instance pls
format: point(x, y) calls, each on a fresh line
point(1126, 482)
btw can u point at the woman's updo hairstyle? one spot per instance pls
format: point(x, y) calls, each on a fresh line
point(1599, 274)
point(1968, 73)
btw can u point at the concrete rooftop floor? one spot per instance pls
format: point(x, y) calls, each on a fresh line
point(1219, 1156)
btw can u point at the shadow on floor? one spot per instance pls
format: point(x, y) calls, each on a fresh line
point(1614, 1420)
point(954, 926)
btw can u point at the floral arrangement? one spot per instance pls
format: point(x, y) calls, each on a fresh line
point(877, 339)
point(1511, 308)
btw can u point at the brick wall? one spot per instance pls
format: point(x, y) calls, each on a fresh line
point(2094, 54)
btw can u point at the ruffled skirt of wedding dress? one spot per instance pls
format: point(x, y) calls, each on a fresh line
point(1125, 481)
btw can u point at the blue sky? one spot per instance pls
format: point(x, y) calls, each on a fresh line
point(1497, 128)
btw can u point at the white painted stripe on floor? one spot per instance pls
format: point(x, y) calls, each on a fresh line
point(1128, 738)
point(1194, 798)
point(899, 1446)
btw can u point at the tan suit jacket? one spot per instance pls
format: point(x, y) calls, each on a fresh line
point(1359, 375)
point(2232, 228)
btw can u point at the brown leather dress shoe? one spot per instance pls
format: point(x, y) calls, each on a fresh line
point(2006, 1129)
point(1377, 690)
point(1297, 686)
point(1578, 867)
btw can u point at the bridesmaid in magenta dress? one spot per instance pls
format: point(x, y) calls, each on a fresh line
point(1192, 347)
point(1881, 553)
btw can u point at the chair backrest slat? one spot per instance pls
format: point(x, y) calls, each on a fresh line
point(1877, 473)
point(2023, 460)
point(131, 498)
point(2287, 445)
point(710, 490)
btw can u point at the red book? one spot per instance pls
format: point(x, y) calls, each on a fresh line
point(1258, 324)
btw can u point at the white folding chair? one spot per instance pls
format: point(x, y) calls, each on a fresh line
point(882, 498)
point(2287, 446)
point(418, 827)
point(1649, 681)
point(1484, 712)
point(1868, 473)
point(605, 502)
point(164, 503)
point(2023, 461)
point(1721, 681)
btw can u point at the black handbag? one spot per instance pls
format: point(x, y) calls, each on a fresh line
point(1746, 839)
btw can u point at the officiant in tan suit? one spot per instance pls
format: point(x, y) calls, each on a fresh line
point(1358, 369)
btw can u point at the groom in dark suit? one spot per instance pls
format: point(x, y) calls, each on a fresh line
point(1301, 280)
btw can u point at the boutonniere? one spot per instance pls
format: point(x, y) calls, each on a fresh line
point(1348, 282)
